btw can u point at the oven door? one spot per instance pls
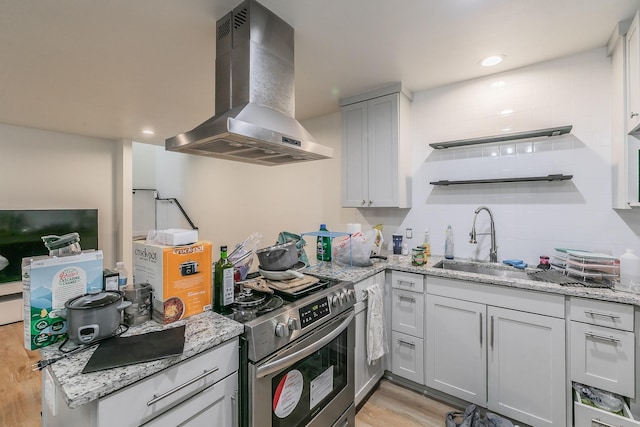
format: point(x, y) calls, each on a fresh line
point(310, 382)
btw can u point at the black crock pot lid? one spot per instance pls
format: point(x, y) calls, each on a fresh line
point(93, 300)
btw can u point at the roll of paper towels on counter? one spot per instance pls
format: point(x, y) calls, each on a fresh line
point(354, 228)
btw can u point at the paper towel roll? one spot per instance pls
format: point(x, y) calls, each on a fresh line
point(354, 228)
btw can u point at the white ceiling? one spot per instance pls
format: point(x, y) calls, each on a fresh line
point(112, 68)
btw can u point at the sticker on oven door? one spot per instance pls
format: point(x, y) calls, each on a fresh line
point(321, 387)
point(288, 394)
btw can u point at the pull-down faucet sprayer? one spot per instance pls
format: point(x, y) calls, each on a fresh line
point(493, 252)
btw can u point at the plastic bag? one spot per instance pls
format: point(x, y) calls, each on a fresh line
point(471, 417)
point(599, 398)
point(358, 249)
point(247, 248)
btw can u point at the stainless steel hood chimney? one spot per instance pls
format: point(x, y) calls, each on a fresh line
point(254, 97)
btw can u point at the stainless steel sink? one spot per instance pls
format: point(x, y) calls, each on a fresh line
point(495, 270)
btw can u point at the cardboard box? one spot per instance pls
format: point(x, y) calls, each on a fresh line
point(180, 276)
point(49, 282)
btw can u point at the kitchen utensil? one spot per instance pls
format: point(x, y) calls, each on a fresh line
point(278, 257)
point(140, 309)
point(67, 244)
point(282, 275)
point(295, 287)
point(123, 351)
point(257, 284)
point(94, 316)
point(247, 304)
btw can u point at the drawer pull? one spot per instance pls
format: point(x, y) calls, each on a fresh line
point(400, 282)
point(412, 344)
point(412, 299)
point(480, 329)
point(181, 386)
point(602, 337)
point(597, 423)
point(597, 313)
point(491, 332)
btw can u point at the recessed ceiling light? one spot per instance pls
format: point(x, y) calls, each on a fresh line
point(492, 60)
point(148, 132)
point(505, 112)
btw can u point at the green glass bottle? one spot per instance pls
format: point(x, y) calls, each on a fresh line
point(223, 283)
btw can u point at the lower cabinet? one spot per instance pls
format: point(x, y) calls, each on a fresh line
point(407, 326)
point(505, 359)
point(407, 355)
point(366, 375)
point(191, 393)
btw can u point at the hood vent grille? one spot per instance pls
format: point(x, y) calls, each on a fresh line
point(255, 99)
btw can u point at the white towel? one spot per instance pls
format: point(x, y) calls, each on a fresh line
point(375, 324)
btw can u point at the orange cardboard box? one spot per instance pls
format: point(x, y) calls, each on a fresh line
point(180, 277)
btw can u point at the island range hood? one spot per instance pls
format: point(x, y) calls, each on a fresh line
point(254, 95)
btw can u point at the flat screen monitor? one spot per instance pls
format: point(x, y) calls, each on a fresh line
point(21, 232)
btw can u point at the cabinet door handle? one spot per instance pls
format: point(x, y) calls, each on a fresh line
point(412, 299)
point(597, 313)
point(480, 329)
point(412, 344)
point(234, 409)
point(602, 337)
point(363, 203)
point(595, 422)
point(181, 386)
point(634, 115)
point(400, 282)
point(491, 332)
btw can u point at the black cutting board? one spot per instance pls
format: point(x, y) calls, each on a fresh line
point(123, 351)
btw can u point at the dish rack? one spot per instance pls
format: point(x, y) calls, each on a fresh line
point(594, 269)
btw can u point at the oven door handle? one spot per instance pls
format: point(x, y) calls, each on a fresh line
point(278, 364)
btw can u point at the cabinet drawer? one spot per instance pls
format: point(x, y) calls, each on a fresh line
point(134, 405)
point(589, 416)
point(407, 281)
point(407, 357)
point(602, 313)
point(407, 314)
point(603, 358)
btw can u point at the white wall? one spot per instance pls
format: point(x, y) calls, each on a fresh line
point(51, 170)
point(531, 218)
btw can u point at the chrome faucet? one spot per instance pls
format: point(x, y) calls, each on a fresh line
point(493, 252)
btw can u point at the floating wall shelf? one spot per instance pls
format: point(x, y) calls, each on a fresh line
point(561, 130)
point(555, 177)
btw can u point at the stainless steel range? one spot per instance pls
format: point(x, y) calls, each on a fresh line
point(298, 361)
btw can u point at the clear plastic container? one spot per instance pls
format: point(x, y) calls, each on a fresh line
point(448, 243)
point(630, 271)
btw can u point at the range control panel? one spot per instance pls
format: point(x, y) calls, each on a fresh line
point(313, 312)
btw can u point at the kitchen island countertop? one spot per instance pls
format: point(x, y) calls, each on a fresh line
point(203, 331)
point(403, 263)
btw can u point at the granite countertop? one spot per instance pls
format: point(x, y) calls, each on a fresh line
point(203, 331)
point(403, 263)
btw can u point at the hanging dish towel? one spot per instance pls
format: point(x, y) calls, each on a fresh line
point(375, 324)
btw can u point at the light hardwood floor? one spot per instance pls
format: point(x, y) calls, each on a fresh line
point(20, 388)
point(393, 405)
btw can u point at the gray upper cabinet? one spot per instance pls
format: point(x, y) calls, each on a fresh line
point(633, 76)
point(376, 149)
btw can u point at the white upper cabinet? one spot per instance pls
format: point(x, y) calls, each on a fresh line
point(633, 76)
point(376, 149)
point(624, 50)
